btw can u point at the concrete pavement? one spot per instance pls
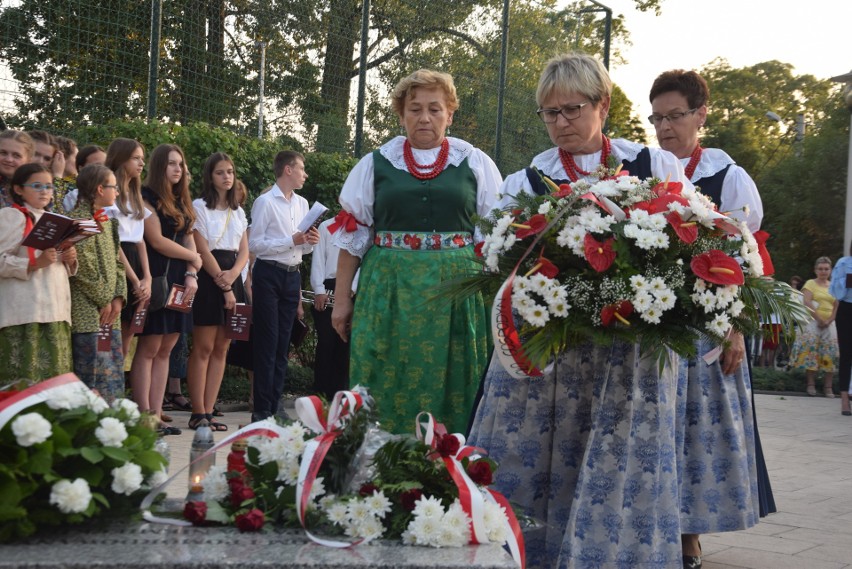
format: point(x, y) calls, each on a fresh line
point(808, 448)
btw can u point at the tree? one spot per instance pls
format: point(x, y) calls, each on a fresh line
point(803, 194)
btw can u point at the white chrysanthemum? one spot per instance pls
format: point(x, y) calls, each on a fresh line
point(69, 397)
point(642, 301)
point(127, 479)
point(736, 308)
point(708, 301)
point(492, 261)
point(646, 240)
point(666, 298)
point(632, 230)
point(157, 478)
point(660, 239)
point(215, 484)
point(271, 449)
point(111, 432)
point(544, 207)
point(719, 325)
point(656, 222)
point(129, 408)
point(652, 314)
point(503, 224)
point(288, 470)
point(379, 504)
point(540, 283)
point(657, 284)
point(96, 403)
point(425, 529)
point(295, 431)
point(337, 513)
point(31, 429)
point(455, 525)
point(494, 518)
point(700, 285)
point(408, 538)
point(428, 507)
point(571, 236)
point(536, 314)
point(679, 208)
point(638, 216)
point(638, 282)
point(558, 307)
point(370, 528)
point(358, 511)
point(71, 497)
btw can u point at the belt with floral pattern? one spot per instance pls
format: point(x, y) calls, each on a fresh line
point(422, 241)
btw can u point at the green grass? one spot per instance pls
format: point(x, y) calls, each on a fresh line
point(768, 379)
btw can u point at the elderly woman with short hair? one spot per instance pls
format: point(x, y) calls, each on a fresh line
point(588, 449)
point(408, 222)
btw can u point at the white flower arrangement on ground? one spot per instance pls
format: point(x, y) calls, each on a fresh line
point(67, 456)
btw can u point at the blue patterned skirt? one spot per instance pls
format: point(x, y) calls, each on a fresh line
point(589, 451)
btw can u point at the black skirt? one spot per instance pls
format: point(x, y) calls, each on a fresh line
point(208, 309)
point(131, 252)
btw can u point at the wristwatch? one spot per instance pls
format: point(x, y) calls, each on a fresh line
point(192, 274)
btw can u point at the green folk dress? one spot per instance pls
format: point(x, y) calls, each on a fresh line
point(415, 352)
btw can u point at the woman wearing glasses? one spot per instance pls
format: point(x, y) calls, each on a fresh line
point(35, 297)
point(588, 449)
point(719, 484)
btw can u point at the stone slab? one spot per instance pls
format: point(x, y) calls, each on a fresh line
point(142, 545)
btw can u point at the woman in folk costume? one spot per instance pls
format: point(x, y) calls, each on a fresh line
point(724, 484)
point(408, 223)
point(588, 448)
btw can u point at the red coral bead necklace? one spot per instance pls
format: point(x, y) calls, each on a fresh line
point(694, 159)
point(426, 171)
point(574, 172)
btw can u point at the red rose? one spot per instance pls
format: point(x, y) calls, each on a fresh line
point(368, 489)
point(240, 495)
point(447, 445)
point(480, 472)
point(251, 520)
point(195, 512)
point(409, 498)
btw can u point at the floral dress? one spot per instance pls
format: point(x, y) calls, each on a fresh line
point(589, 449)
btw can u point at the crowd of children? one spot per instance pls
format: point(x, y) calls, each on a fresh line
point(78, 308)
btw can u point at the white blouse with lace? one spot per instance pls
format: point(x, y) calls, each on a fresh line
point(358, 193)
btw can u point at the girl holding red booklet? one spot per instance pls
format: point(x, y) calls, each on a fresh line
point(99, 289)
point(35, 312)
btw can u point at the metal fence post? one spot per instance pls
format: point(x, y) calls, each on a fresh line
point(501, 89)
point(154, 58)
point(362, 78)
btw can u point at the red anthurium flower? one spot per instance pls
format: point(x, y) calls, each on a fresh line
point(477, 249)
point(533, 225)
point(716, 267)
point(516, 212)
point(662, 202)
point(599, 254)
point(563, 191)
point(667, 188)
point(544, 266)
point(686, 230)
point(761, 237)
point(618, 311)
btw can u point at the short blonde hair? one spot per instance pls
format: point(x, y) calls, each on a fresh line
point(574, 73)
point(21, 138)
point(427, 79)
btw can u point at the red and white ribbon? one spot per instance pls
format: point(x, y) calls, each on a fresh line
point(38, 393)
point(470, 497)
point(310, 413)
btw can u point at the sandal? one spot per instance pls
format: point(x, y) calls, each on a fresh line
point(195, 420)
point(165, 418)
point(177, 401)
point(167, 430)
point(829, 392)
point(215, 425)
point(217, 412)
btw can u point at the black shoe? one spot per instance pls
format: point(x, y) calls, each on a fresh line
point(691, 562)
point(846, 413)
point(166, 430)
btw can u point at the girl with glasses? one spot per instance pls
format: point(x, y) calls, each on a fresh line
point(35, 297)
point(99, 289)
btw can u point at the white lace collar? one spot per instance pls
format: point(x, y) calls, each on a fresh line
point(713, 161)
point(550, 163)
point(392, 151)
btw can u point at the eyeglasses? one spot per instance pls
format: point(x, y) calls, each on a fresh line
point(673, 117)
point(570, 112)
point(39, 187)
point(111, 186)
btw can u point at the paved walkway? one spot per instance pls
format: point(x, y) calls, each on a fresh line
point(808, 447)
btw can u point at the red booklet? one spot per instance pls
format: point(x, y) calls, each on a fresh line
point(105, 338)
point(137, 323)
point(238, 322)
point(177, 299)
point(59, 231)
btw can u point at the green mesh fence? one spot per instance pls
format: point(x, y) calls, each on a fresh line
point(69, 63)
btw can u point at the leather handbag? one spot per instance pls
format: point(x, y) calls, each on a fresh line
point(159, 292)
